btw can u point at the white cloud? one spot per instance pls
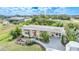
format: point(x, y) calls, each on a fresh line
point(30, 10)
point(60, 10)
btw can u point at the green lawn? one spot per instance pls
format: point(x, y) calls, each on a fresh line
point(1, 26)
point(12, 46)
point(5, 33)
point(6, 45)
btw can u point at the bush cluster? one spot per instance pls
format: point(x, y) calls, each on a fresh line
point(44, 36)
point(15, 33)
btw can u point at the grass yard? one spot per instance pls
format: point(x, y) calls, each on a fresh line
point(5, 33)
point(1, 26)
point(8, 28)
point(6, 45)
point(12, 46)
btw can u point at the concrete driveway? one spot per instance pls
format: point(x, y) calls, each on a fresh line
point(55, 43)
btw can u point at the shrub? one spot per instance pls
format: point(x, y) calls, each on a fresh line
point(18, 31)
point(15, 33)
point(57, 23)
point(29, 42)
point(36, 23)
point(44, 36)
point(64, 17)
point(71, 35)
point(73, 26)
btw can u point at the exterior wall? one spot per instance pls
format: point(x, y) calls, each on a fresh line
point(24, 33)
point(30, 32)
point(37, 33)
point(67, 48)
point(72, 46)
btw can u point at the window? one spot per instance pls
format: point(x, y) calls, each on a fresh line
point(27, 32)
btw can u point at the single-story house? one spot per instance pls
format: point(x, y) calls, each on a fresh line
point(34, 30)
point(18, 19)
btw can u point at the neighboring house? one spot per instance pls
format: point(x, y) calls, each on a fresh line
point(18, 18)
point(72, 46)
point(27, 19)
point(5, 22)
point(34, 30)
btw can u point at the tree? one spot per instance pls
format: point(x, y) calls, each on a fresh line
point(64, 40)
point(18, 31)
point(71, 35)
point(54, 17)
point(64, 17)
point(74, 26)
point(34, 19)
point(71, 25)
point(44, 36)
point(2, 17)
point(15, 33)
point(36, 23)
point(57, 23)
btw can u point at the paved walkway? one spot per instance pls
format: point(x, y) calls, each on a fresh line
point(53, 45)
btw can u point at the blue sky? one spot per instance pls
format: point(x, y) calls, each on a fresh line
point(38, 10)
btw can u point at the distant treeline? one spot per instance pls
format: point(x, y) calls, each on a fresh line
point(61, 16)
point(75, 16)
point(3, 17)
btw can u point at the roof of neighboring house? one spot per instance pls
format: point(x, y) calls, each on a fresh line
point(73, 44)
point(45, 28)
point(16, 18)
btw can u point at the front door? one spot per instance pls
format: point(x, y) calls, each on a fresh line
point(34, 33)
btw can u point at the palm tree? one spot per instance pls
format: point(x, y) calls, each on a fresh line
point(64, 40)
point(70, 36)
